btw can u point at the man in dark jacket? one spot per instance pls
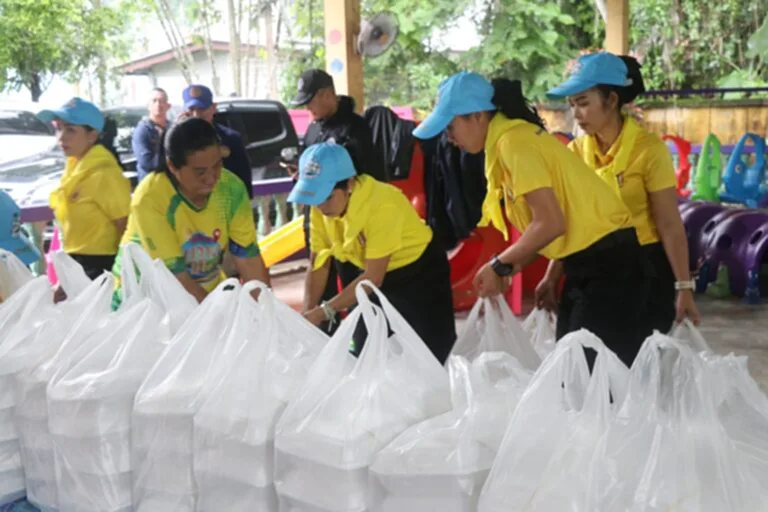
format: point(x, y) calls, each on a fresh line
point(147, 138)
point(334, 117)
point(198, 102)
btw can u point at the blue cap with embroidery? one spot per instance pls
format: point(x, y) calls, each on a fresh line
point(197, 96)
point(321, 167)
point(11, 237)
point(76, 111)
point(461, 94)
point(591, 70)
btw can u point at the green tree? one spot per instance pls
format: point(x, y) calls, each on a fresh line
point(44, 38)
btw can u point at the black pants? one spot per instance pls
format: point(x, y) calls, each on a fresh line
point(661, 293)
point(606, 293)
point(94, 265)
point(421, 292)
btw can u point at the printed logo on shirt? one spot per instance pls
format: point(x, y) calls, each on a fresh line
point(75, 195)
point(202, 255)
point(620, 179)
point(361, 238)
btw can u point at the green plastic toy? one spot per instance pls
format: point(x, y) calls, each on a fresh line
point(720, 288)
point(706, 180)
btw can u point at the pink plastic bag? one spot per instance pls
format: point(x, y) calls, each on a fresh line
point(55, 246)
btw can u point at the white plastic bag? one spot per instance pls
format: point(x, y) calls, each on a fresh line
point(442, 463)
point(21, 318)
point(72, 278)
point(347, 411)
point(162, 421)
point(492, 327)
point(541, 324)
point(142, 277)
point(688, 333)
point(56, 348)
point(666, 449)
point(541, 466)
point(273, 347)
point(90, 412)
point(13, 274)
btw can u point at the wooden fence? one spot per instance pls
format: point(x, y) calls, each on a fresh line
point(729, 120)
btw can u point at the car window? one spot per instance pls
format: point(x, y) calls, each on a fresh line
point(21, 122)
point(262, 125)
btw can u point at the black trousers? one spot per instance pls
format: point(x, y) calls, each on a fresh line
point(421, 292)
point(94, 265)
point(661, 293)
point(606, 292)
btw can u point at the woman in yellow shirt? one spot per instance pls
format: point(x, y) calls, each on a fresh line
point(92, 201)
point(374, 229)
point(560, 206)
point(637, 165)
point(194, 213)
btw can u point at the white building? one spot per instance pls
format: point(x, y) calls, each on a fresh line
point(163, 70)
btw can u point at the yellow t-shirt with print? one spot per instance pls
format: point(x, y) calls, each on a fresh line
point(187, 238)
point(92, 194)
point(379, 222)
point(648, 169)
point(520, 158)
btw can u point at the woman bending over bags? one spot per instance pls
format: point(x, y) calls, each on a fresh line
point(563, 210)
point(373, 226)
point(192, 214)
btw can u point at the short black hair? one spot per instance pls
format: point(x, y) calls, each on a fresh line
point(160, 89)
point(185, 137)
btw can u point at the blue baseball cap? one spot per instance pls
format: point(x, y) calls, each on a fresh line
point(461, 94)
point(11, 237)
point(197, 96)
point(321, 167)
point(76, 111)
point(591, 70)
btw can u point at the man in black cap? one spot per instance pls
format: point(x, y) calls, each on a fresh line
point(334, 117)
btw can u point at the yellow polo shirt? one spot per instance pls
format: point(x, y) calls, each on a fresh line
point(520, 157)
point(380, 221)
point(648, 169)
point(92, 194)
point(189, 238)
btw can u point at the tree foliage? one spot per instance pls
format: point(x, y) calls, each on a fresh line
point(44, 38)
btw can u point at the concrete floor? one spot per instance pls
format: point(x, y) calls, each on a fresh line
point(727, 325)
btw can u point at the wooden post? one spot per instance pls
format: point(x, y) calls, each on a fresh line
point(345, 65)
point(617, 26)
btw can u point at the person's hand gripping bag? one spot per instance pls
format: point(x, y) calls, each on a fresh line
point(90, 411)
point(72, 277)
point(348, 410)
point(167, 400)
point(555, 429)
point(21, 318)
point(667, 449)
point(442, 463)
point(541, 324)
point(274, 348)
point(142, 277)
point(492, 327)
point(55, 348)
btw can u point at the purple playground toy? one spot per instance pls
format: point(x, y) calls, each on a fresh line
point(696, 214)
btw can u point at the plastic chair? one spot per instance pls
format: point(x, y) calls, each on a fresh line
point(744, 184)
point(683, 171)
point(706, 179)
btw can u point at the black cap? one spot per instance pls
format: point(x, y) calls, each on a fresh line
point(310, 82)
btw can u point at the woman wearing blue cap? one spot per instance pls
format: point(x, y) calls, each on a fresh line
point(563, 210)
point(92, 201)
point(374, 227)
point(637, 165)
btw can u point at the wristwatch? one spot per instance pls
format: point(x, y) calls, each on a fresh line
point(501, 269)
point(685, 285)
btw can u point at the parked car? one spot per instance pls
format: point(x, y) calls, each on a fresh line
point(35, 164)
